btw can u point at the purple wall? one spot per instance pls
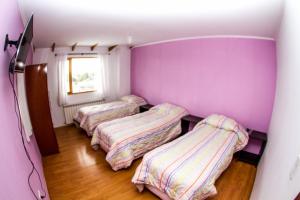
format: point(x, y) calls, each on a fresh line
point(231, 76)
point(14, 166)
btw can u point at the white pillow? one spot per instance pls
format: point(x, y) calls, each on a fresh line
point(134, 99)
point(222, 122)
point(169, 108)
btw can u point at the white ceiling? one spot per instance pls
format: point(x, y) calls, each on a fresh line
point(136, 22)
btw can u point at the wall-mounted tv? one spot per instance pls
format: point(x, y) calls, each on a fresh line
point(23, 45)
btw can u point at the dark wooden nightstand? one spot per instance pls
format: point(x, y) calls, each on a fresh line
point(253, 158)
point(145, 108)
point(186, 121)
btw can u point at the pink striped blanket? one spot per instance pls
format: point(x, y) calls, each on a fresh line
point(187, 167)
point(131, 137)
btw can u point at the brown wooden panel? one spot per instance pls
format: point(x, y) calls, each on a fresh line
point(298, 197)
point(39, 109)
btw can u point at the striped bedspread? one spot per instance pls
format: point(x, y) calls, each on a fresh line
point(129, 138)
point(89, 117)
point(187, 167)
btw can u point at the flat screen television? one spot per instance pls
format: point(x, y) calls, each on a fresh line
point(23, 45)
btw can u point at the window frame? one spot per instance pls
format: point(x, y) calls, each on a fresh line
point(70, 78)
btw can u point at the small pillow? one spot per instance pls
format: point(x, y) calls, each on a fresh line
point(169, 108)
point(165, 107)
point(222, 122)
point(134, 99)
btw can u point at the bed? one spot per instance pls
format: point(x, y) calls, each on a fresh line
point(131, 137)
point(188, 167)
point(90, 116)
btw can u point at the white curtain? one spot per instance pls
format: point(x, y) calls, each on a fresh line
point(116, 76)
point(111, 76)
point(61, 63)
point(109, 82)
point(124, 70)
point(100, 78)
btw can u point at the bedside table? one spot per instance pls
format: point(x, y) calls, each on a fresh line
point(253, 158)
point(145, 108)
point(186, 121)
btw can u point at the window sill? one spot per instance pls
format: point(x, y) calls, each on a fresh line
point(71, 93)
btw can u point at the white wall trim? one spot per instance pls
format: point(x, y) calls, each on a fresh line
point(206, 37)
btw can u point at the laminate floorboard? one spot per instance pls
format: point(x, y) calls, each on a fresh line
point(80, 173)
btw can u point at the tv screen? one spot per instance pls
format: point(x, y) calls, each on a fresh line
point(23, 48)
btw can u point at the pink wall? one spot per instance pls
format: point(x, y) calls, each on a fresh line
point(231, 76)
point(14, 166)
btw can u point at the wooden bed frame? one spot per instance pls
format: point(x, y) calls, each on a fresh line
point(242, 155)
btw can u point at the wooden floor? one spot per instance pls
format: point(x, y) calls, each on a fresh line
point(79, 172)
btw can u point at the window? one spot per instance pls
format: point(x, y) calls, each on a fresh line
point(83, 74)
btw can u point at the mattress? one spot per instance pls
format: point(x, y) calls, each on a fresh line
point(90, 116)
point(131, 137)
point(188, 167)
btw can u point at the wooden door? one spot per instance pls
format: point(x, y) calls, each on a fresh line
point(39, 108)
point(298, 197)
